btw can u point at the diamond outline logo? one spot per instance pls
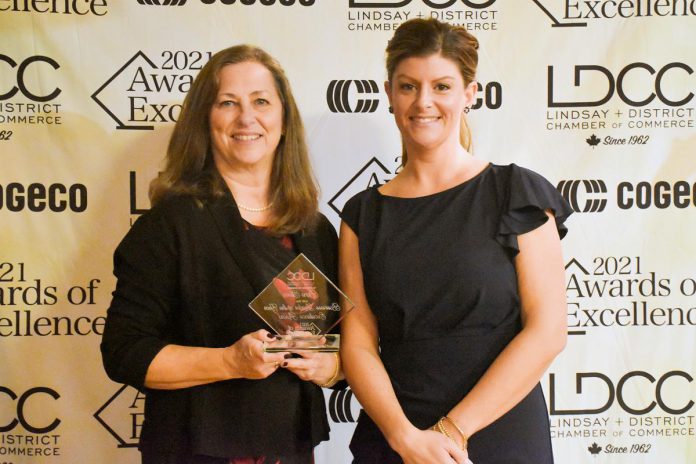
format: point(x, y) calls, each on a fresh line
point(374, 164)
point(120, 124)
point(97, 415)
point(576, 263)
point(556, 22)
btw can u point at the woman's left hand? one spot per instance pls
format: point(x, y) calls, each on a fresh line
point(429, 447)
point(313, 366)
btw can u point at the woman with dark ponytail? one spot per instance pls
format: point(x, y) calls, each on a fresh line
point(456, 269)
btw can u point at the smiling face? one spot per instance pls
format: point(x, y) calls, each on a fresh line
point(428, 95)
point(246, 119)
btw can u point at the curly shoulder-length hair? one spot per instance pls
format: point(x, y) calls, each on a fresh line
point(190, 169)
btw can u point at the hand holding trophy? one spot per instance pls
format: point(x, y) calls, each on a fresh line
point(302, 305)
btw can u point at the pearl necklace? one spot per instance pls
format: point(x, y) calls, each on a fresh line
point(255, 210)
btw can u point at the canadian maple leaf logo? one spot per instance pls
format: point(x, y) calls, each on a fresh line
point(593, 141)
point(594, 449)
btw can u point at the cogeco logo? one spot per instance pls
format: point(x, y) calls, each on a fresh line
point(21, 85)
point(438, 4)
point(229, 2)
point(652, 393)
point(492, 96)
point(570, 190)
point(591, 198)
point(163, 2)
point(337, 96)
point(20, 401)
point(644, 195)
point(37, 197)
point(262, 2)
point(616, 85)
point(340, 406)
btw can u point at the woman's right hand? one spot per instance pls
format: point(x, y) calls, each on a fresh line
point(429, 447)
point(247, 359)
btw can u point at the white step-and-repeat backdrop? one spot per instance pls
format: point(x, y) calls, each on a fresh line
point(598, 96)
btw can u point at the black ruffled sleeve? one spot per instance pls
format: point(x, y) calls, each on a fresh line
point(527, 196)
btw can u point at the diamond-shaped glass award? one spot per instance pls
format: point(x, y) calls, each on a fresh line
point(302, 305)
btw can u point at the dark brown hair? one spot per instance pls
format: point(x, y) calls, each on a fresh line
point(424, 37)
point(189, 162)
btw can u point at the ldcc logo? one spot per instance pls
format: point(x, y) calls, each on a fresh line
point(668, 381)
point(570, 191)
point(122, 416)
point(32, 425)
point(438, 4)
point(338, 91)
point(340, 406)
point(133, 185)
point(21, 85)
point(617, 85)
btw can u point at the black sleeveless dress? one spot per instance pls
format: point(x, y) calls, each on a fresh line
point(439, 276)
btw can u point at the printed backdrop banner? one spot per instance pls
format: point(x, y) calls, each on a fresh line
point(597, 96)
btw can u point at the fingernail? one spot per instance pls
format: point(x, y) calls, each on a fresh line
point(278, 337)
point(285, 364)
point(288, 356)
point(270, 335)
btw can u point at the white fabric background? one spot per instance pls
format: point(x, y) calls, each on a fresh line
point(623, 391)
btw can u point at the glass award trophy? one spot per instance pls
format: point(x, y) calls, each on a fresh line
point(302, 305)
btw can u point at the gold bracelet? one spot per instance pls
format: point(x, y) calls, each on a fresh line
point(440, 427)
point(334, 378)
point(465, 439)
point(443, 430)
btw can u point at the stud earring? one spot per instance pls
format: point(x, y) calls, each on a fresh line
point(466, 110)
point(391, 110)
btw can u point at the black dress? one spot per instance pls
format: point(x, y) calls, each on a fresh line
point(439, 276)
